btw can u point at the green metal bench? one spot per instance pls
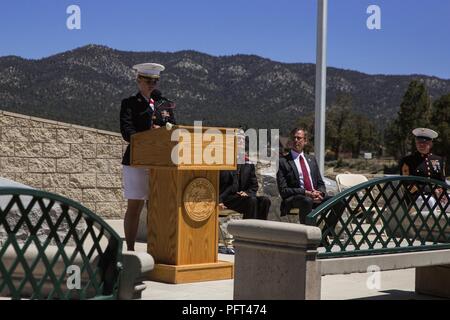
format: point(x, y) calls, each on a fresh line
point(389, 224)
point(52, 247)
point(384, 216)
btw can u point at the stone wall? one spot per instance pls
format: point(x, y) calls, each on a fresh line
point(81, 163)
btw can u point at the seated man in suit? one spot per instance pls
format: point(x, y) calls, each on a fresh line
point(299, 181)
point(238, 191)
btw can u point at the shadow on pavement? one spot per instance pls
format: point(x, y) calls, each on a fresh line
point(400, 295)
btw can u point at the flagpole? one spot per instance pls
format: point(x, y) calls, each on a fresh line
point(321, 83)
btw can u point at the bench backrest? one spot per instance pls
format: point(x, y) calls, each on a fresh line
point(386, 215)
point(52, 247)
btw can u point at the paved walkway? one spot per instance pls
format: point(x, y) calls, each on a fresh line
point(394, 285)
point(398, 284)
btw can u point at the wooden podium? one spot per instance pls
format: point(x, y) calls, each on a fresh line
point(183, 197)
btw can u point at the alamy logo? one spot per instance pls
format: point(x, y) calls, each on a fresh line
point(74, 20)
point(374, 280)
point(74, 279)
point(374, 20)
point(210, 146)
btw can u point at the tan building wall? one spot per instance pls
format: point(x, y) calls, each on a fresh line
point(81, 163)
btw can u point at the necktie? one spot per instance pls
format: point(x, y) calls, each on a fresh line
point(151, 103)
point(306, 179)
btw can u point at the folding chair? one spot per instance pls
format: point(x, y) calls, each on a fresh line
point(348, 180)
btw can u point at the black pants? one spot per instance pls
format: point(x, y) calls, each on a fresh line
point(250, 207)
point(306, 205)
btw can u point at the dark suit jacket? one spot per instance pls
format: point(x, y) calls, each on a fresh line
point(243, 179)
point(288, 179)
point(136, 115)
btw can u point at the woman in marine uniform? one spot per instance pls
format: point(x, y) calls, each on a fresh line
point(140, 113)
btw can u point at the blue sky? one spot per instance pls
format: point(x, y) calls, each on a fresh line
point(414, 37)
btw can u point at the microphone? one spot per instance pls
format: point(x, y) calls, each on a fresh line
point(156, 95)
point(162, 104)
point(160, 100)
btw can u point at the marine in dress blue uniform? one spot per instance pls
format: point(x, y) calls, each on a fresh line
point(423, 163)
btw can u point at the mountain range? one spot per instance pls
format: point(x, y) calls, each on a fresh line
point(85, 86)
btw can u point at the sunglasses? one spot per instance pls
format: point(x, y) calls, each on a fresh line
point(151, 81)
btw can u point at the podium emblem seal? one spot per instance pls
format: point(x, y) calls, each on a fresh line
point(199, 199)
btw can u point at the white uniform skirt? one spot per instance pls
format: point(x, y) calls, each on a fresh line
point(135, 183)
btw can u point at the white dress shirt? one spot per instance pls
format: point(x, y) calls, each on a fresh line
point(296, 156)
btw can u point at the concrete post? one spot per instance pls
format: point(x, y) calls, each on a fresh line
point(434, 281)
point(275, 260)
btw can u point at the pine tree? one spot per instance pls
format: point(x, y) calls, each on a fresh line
point(415, 112)
point(440, 121)
point(366, 136)
point(339, 129)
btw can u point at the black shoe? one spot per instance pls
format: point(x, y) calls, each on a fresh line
point(225, 250)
